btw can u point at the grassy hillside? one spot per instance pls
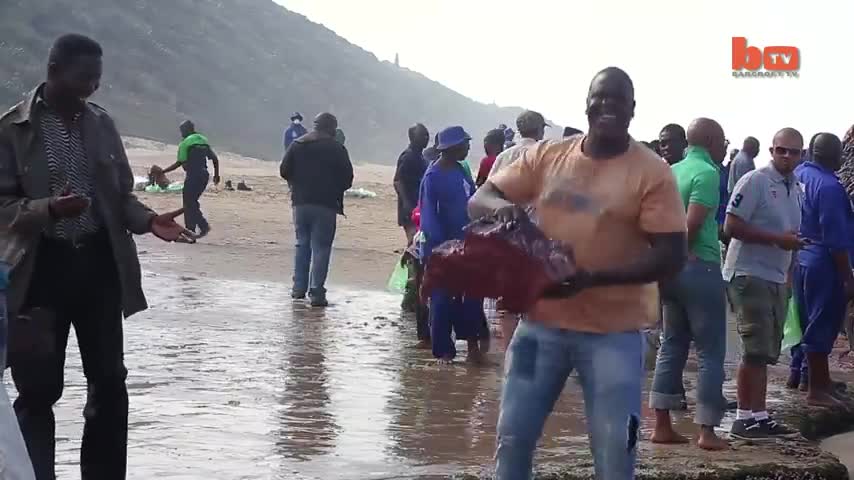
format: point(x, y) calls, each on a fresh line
point(238, 68)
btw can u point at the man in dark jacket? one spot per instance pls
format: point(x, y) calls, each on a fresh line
point(407, 178)
point(66, 191)
point(319, 171)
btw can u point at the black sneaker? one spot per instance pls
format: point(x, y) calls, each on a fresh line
point(779, 430)
point(749, 430)
point(298, 295)
point(318, 300)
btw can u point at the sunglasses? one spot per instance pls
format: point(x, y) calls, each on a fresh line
point(792, 152)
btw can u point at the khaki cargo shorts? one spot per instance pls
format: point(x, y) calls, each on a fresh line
point(760, 309)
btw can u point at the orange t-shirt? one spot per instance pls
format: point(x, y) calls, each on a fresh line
point(604, 210)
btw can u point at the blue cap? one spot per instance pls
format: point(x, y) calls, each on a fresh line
point(451, 137)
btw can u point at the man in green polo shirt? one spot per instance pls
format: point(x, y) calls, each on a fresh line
point(694, 303)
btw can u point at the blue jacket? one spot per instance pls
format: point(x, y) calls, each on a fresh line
point(294, 132)
point(444, 205)
point(826, 215)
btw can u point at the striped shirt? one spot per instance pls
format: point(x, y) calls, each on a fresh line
point(68, 164)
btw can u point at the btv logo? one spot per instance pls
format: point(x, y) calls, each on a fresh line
point(778, 61)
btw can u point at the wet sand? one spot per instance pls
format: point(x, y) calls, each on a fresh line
point(252, 237)
point(231, 379)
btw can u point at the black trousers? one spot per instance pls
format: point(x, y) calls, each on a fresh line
point(79, 286)
point(422, 311)
point(194, 186)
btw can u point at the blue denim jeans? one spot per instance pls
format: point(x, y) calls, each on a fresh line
point(694, 310)
point(14, 460)
point(314, 226)
point(538, 363)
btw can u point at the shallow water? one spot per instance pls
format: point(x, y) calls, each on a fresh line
point(233, 380)
point(843, 447)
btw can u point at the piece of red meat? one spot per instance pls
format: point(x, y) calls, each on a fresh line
point(514, 261)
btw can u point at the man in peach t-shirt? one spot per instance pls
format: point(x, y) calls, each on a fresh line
point(615, 203)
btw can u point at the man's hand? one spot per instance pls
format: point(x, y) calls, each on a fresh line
point(67, 204)
point(216, 180)
point(165, 228)
point(570, 287)
point(790, 241)
point(510, 213)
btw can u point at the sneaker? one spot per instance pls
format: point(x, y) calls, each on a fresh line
point(749, 430)
point(319, 301)
point(298, 295)
point(775, 429)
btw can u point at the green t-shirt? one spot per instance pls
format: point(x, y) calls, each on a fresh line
point(466, 168)
point(698, 179)
point(192, 140)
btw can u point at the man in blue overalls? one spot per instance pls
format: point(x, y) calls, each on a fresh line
point(823, 282)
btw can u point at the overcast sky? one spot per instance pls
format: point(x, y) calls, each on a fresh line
point(541, 54)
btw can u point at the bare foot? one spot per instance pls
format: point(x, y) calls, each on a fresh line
point(823, 399)
point(709, 441)
point(445, 361)
point(423, 345)
point(667, 436)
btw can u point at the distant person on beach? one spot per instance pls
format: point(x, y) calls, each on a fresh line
point(569, 131)
point(445, 192)
point(743, 162)
point(79, 264)
point(762, 221)
point(823, 282)
point(407, 177)
point(694, 302)
point(625, 237)
point(407, 182)
point(493, 144)
point(194, 151)
point(672, 143)
point(340, 137)
point(294, 130)
point(509, 138)
point(319, 171)
point(532, 128)
point(430, 153)
point(846, 177)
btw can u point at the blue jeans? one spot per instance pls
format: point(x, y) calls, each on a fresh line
point(315, 231)
point(13, 452)
point(538, 363)
point(694, 310)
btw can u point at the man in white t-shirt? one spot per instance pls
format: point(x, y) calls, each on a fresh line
point(532, 128)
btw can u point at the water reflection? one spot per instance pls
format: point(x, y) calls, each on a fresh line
point(307, 425)
point(234, 380)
